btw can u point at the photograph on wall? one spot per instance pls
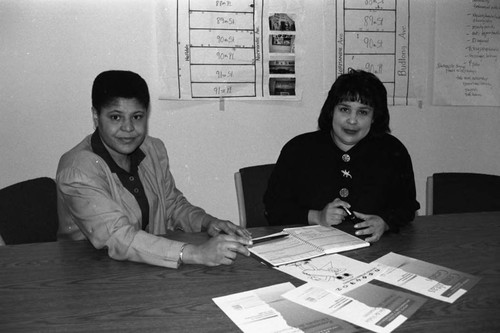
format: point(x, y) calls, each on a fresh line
point(282, 87)
point(281, 43)
point(281, 22)
point(282, 60)
point(285, 65)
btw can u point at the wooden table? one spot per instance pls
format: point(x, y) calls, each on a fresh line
point(70, 286)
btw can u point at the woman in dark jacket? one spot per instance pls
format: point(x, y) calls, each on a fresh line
point(351, 161)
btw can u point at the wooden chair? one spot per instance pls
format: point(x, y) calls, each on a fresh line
point(251, 184)
point(458, 192)
point(28, 212)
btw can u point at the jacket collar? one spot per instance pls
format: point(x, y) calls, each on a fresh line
point(98, 147)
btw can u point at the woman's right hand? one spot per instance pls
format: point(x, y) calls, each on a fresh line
point(219, 250)
point(332, 213)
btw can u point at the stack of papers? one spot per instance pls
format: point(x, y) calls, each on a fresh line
point(339, 290)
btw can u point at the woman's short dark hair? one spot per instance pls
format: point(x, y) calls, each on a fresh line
point(357, 86)
point(112, 84)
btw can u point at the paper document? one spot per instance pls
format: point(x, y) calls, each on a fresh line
point(372, 307)
point(334, 272)
point(264, 310)
point(425, 278)
point(305, 243)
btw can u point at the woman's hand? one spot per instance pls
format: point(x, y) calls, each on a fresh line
point(218, 250)
point(215, 227)
point(372, 225)
point(226, 241)
point(332, 213)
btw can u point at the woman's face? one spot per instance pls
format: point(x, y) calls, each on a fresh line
point(351, 122)
point(122, 126)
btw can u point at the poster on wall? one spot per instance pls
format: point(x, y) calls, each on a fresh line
point(467, 51)
point(375, 36)
point(228, 49)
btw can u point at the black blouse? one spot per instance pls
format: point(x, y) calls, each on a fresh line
point(375, 177)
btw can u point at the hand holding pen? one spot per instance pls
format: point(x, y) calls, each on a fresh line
point(226, 242)
point(367, 225)
point(332, 214)
point(351, 217)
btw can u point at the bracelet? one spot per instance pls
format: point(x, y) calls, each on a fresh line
point(181, 253)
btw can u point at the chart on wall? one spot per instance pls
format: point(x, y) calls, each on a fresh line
point(253, 49)
point(374, 35)
point(467, 52)
point(227, 49)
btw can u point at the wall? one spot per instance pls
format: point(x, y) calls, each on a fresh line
point(50, 52)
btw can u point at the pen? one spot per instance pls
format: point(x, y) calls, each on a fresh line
point(350, 215)
point(265, 238)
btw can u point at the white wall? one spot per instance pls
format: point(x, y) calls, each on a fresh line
point(50, 52)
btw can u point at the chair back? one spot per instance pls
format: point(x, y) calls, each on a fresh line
point(28, 212)
point(251, 184)
point(459, 192)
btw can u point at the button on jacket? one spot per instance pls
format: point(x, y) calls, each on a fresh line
point(93, 204)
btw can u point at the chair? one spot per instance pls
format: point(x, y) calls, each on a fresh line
point(455, 192)
point(28, 212)
point(251, 184)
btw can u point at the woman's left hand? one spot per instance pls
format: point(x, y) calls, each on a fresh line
point(217, 226)
point(372, 225)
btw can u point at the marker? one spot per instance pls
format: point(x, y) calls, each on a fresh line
point(268, 238)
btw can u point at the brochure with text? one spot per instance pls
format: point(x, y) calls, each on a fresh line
point(263, 310)
point(428, 279)
point(369, 306)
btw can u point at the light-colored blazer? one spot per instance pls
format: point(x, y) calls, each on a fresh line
point(93, 204)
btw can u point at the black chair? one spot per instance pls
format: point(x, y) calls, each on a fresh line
point(28, 212)
point(458, 192)
point(251, 184)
